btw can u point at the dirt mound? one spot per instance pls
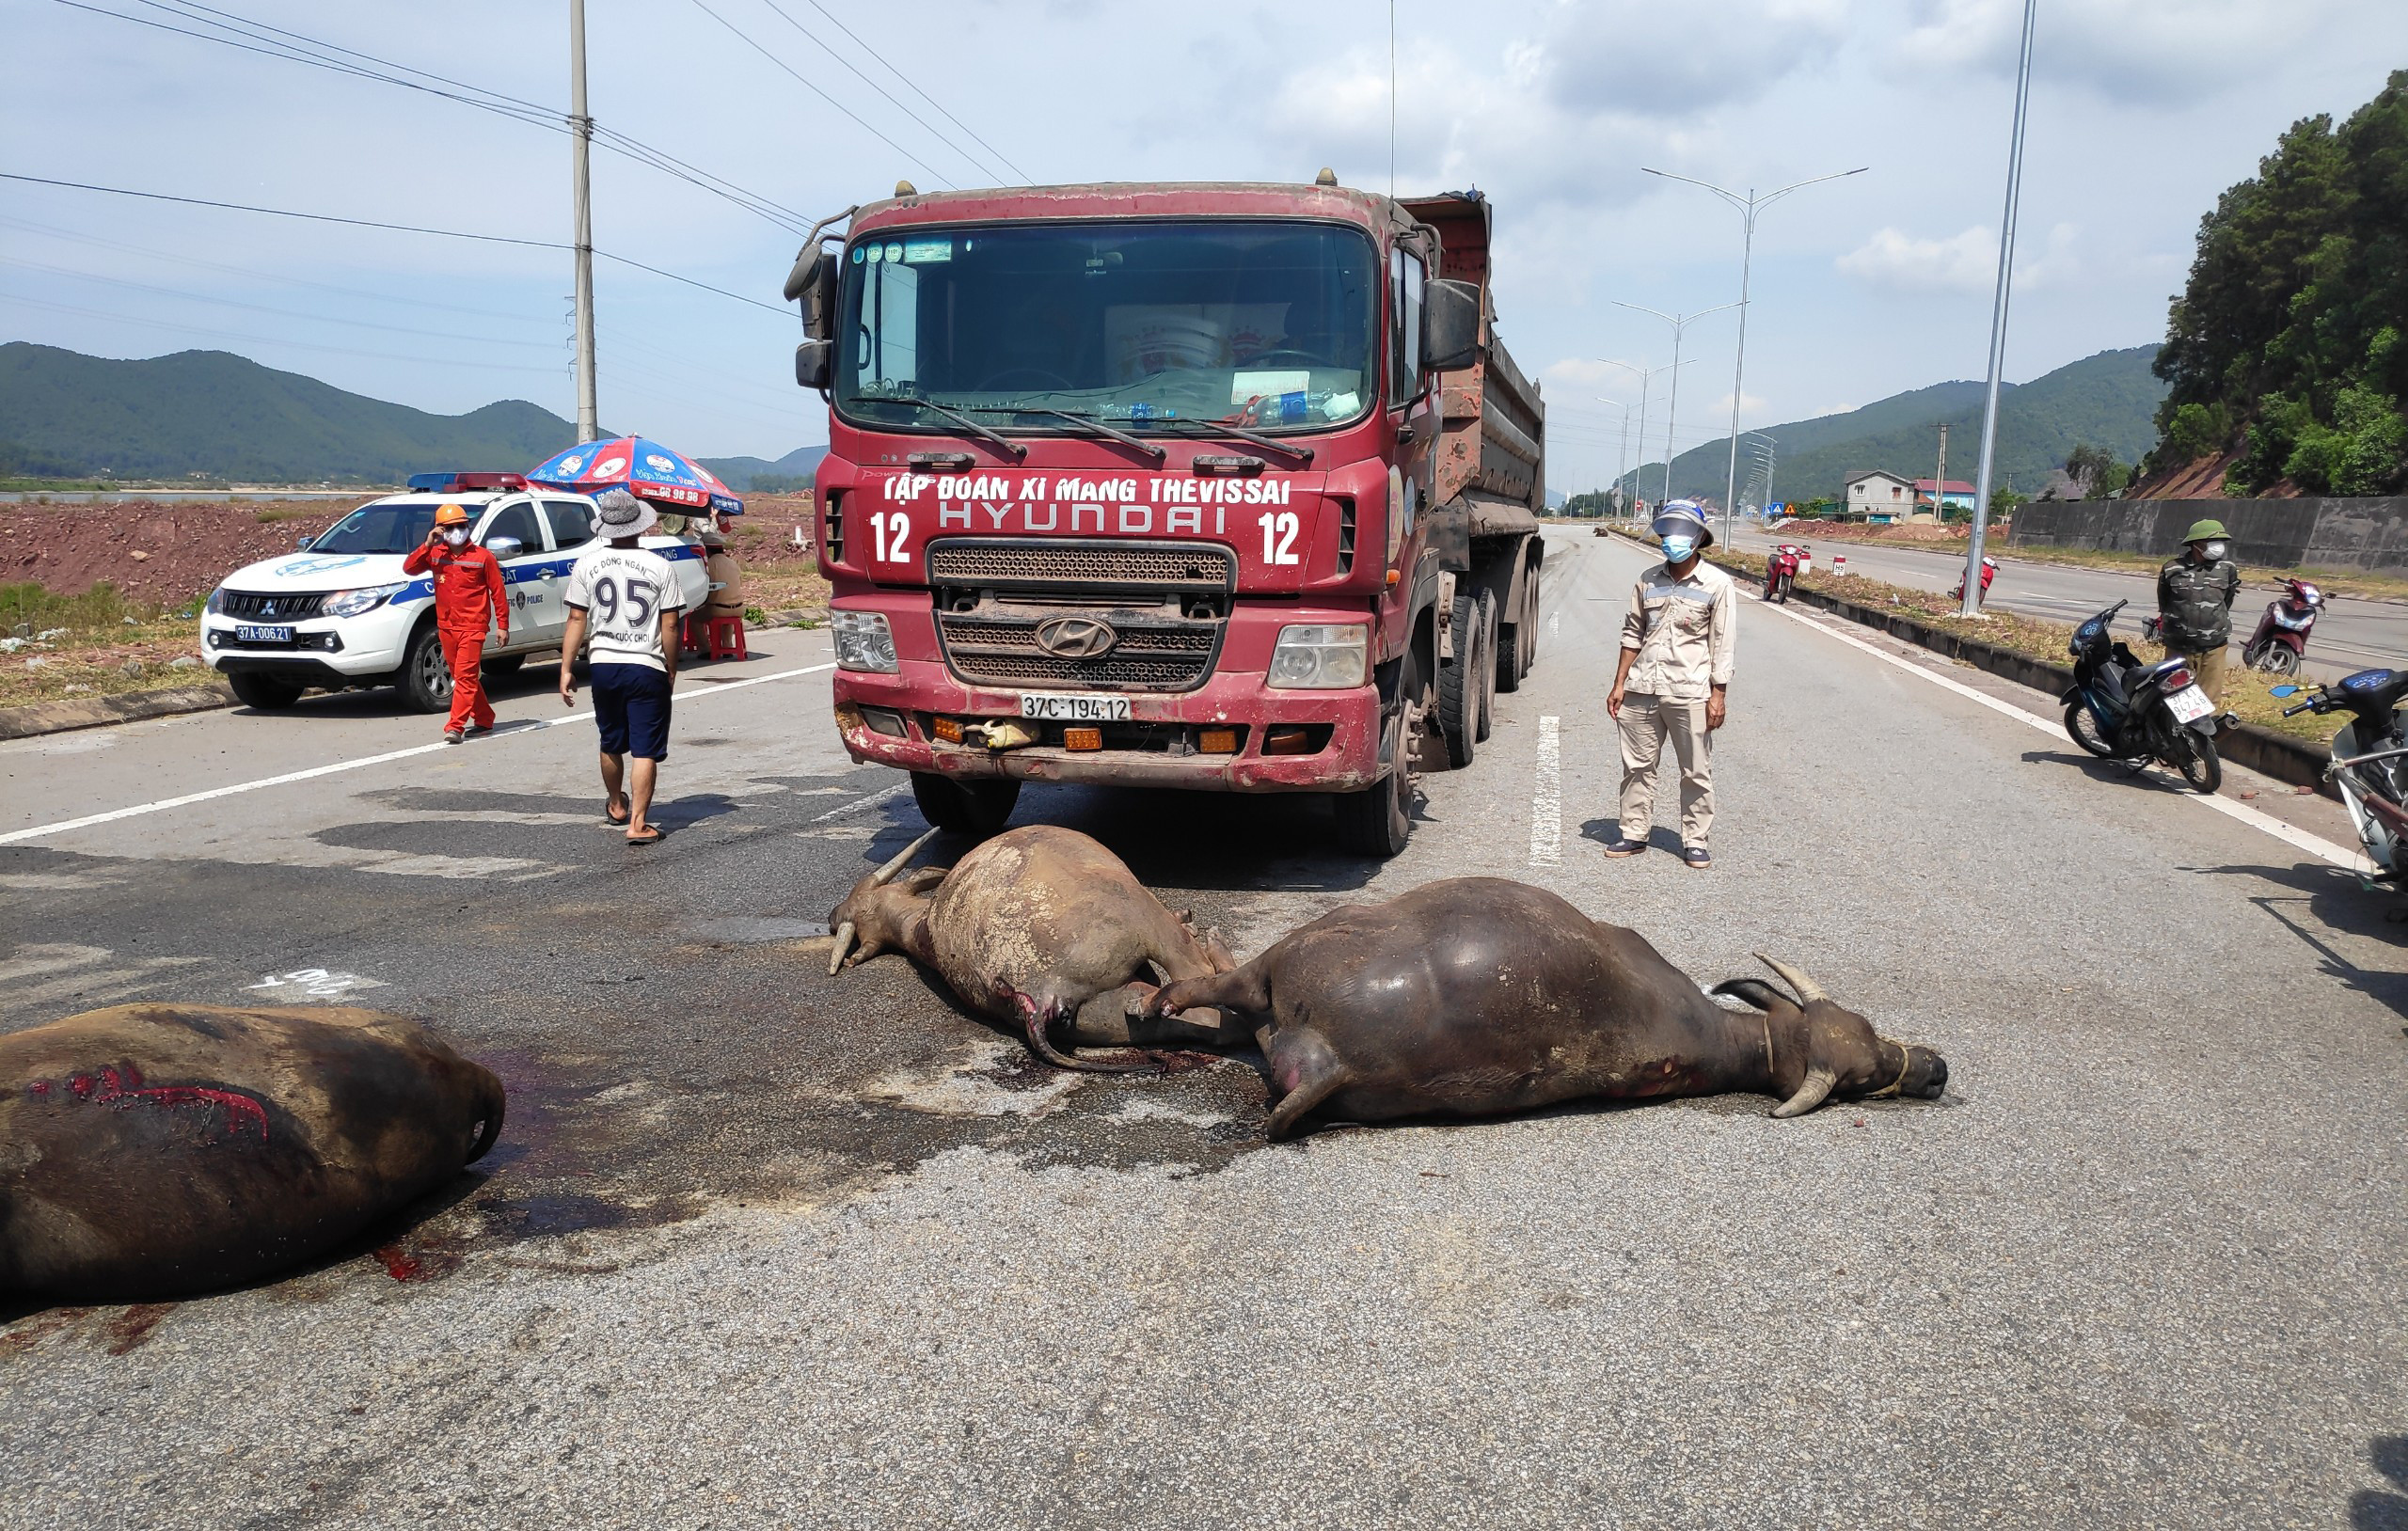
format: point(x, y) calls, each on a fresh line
point(151, 551)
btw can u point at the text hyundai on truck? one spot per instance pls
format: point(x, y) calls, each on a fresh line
point(1218, 486)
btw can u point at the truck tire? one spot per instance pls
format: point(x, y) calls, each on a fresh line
point(1459, 688)
point(425, 677)
point(1517, 642)
point(264, 693)
point(1378, 820)
point(973, 808)
point(1489, 640)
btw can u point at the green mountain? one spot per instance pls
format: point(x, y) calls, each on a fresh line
point(216, 414)
point(790, 471)
point(2108, 400)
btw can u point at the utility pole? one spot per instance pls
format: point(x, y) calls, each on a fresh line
point(1621, 464)
point(1748, 207)
point(1972, 607)
point(1939, 482)
point(1673, 406)
point(588, 425)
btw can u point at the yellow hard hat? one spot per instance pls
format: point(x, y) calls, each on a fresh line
point(451, 515)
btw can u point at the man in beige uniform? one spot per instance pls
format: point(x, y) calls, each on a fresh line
point(1678, 642)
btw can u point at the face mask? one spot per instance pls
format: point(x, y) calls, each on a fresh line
point(2214, 552)
point(1677, 549)
point(455, 537)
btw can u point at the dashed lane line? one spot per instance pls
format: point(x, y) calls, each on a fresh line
point(1546, 797)
point(539, 725)
point(2316, 845)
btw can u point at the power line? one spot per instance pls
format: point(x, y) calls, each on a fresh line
point(513, 107)
point(933, 130)
point(394, 228)
point(890, 68)
point(816, 91)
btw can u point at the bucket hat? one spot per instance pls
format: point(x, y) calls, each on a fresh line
point(618, 514)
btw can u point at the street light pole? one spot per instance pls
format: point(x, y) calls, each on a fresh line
point(1972, 598)
point(1672, 404)
point(1623, 462)
point(1646, 375)
point(1749, 207)
point(588, 425)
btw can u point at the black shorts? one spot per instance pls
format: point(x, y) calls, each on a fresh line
point(631, 708)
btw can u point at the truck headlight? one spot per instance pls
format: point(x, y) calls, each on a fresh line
point(1320, 658)
point(351, 603)
point(864, 642)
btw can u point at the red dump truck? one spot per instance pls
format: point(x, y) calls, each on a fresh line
point(1227, 487)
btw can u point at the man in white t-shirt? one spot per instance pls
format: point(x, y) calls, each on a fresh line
point(623, 605)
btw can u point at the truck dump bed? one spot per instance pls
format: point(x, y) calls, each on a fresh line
point(1492, 453)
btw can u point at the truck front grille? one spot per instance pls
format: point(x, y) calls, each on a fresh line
point(1167, 603)
point(283, 607)
point(1043, 564)
point(1156, 650)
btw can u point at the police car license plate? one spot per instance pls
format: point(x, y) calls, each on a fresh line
point(263, 635)
point(2189, 704)
point(1074, 708)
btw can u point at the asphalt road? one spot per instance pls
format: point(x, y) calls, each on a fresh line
point(761, 1247)
point(2352, 635)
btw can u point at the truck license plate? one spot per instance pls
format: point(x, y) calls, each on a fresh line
point(263, 635)
point(1074, 708)
point(2189, 704)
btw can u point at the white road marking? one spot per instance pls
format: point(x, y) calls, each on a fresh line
point(883, 795)
point(1546, 798)
point(2316, 845)
point(316, 983)
point(162, 804)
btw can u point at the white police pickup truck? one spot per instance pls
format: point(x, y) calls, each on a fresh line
point(340, 612)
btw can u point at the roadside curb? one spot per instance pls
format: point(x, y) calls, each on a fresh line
point(2278, 755)
point(38, 718)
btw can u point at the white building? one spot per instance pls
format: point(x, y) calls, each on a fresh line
point(1875, 493)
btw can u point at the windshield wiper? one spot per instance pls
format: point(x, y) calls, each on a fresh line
point(1092, 423)
point(1217, 428)
point(1019, 452)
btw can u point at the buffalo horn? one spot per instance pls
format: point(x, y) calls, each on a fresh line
point(1810, 1094)
point(1796, 978)
point(846, 933)
point(887, 874)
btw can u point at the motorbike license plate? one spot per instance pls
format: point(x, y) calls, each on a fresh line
point(2189, 704)
point(263, 635)
point(1075, 708)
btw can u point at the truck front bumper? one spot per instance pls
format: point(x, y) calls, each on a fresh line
point(890, 720)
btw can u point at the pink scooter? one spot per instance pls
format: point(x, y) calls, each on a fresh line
point(2281, 638)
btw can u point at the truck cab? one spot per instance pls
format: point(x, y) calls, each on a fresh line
point(1168, 486)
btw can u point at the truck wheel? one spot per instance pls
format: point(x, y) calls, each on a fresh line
point(973, 808)
point(264, 693)
point(426, 680)
point(1378, 820)
point(1490, 646)
point(1517, 642)
point(1458, 682)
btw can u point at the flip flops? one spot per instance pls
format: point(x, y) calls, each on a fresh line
point(616, 821)
point(652, 836)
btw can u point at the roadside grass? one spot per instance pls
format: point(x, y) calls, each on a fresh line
point(98, 644)
point(2246, 691)
point(786, 588)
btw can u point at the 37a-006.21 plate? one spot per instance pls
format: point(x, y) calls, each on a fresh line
point(1073, 707)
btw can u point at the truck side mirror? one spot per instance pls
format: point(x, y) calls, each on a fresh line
point(1450, 326)
point(811, 364)
point(814, 281)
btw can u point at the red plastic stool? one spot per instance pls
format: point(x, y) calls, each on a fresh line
point(723, 635)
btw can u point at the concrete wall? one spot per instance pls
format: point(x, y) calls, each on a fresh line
point(2277, 533)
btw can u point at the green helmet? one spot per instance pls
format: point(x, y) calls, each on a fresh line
point(2210, 531)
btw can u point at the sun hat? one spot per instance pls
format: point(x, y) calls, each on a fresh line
point(451, 515)
point(1676, 515)
point(618, 514)
point(2210, 531)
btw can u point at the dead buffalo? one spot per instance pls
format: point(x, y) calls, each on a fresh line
point(155, 1150)
point(1035, 927)
point(1476, 995)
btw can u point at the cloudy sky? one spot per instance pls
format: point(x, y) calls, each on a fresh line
point(2142, 111)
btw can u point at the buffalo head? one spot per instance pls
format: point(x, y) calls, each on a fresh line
point(1837, 1050)
point(872, 918)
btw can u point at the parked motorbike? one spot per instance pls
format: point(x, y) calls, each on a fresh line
point(1780, 571)
point(1989, 572)
point(2120, 708)
point(2281, 638)
point(2369, 759)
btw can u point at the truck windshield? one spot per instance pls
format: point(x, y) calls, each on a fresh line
point(1267, 325)
point(378, 528)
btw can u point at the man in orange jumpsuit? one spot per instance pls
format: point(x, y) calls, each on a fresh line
point(468, 594)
